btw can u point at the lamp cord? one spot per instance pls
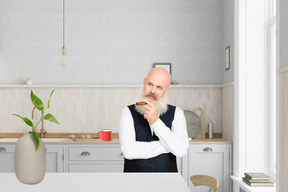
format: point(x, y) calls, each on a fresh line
point(63, 23)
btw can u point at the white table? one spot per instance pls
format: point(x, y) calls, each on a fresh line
point(103, 182)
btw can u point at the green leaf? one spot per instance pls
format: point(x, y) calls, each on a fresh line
point(36, 138)
point(51, 118)
point(36, 101)
point(48, 105)
point(26, 120)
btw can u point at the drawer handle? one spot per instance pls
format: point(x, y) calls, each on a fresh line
point(85, 153)
point(207, 149)
point(2, 149)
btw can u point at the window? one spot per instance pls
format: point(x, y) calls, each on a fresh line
point(255, 87)
point(272, 90)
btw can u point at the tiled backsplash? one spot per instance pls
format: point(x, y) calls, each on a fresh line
point(92, 108)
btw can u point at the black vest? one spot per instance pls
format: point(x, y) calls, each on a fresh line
point(161, 163)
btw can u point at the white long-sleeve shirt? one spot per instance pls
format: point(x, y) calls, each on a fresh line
point(174, 140)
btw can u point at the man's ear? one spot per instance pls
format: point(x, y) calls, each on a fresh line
point(144, 80)
point(168, 89)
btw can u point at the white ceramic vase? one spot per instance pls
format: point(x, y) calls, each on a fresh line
point(30, 165)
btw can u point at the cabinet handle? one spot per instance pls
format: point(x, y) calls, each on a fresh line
point(207, 149)
point(121, 154)
point(2, 149)
point(85, 153)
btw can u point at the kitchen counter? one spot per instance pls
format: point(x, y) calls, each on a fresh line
point(63, 138)
point(64, 141)
point(108, 182)
point(210, 141)
point(113, 141)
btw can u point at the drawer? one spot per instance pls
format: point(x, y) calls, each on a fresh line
point(101, 167)
point(207, 148)
point(94, 153)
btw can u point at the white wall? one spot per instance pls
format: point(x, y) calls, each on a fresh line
point(283, 28)
point(228, 38)
point(112, 42)
point(283, 90)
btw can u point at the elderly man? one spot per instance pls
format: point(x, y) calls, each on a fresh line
point(153, 134)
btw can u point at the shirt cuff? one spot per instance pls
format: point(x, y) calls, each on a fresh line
point(158, 125)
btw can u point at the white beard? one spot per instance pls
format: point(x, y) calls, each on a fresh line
point(160, 105)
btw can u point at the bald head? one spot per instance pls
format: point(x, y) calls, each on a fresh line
point(155, 87)
point(160, 75)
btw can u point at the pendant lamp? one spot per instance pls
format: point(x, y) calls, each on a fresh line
point(63, 50)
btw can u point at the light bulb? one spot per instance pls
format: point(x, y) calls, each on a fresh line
point(63, 53)
point(63, 62)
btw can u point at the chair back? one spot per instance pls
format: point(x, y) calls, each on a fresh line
point(205, 180)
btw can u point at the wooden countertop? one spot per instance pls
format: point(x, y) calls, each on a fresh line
point(64, 141)
point(115, 139)
point(210, 141)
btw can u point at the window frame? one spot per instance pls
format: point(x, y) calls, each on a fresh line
point(272, 87)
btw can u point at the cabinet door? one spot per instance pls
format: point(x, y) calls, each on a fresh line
point(54, 158)
point(213, 160)
point(179, 165)
point(7, 158)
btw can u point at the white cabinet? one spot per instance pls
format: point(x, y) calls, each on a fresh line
point(211, 159)
point(94, 158)
point(54, 157)
point(180, 165)
point(7, 157)
point(98, 158)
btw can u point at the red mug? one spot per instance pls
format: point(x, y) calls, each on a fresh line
point(104, 134)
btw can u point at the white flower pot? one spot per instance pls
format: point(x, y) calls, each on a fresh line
point(30, 165)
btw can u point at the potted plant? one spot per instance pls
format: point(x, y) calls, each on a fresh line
point(30, 152)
